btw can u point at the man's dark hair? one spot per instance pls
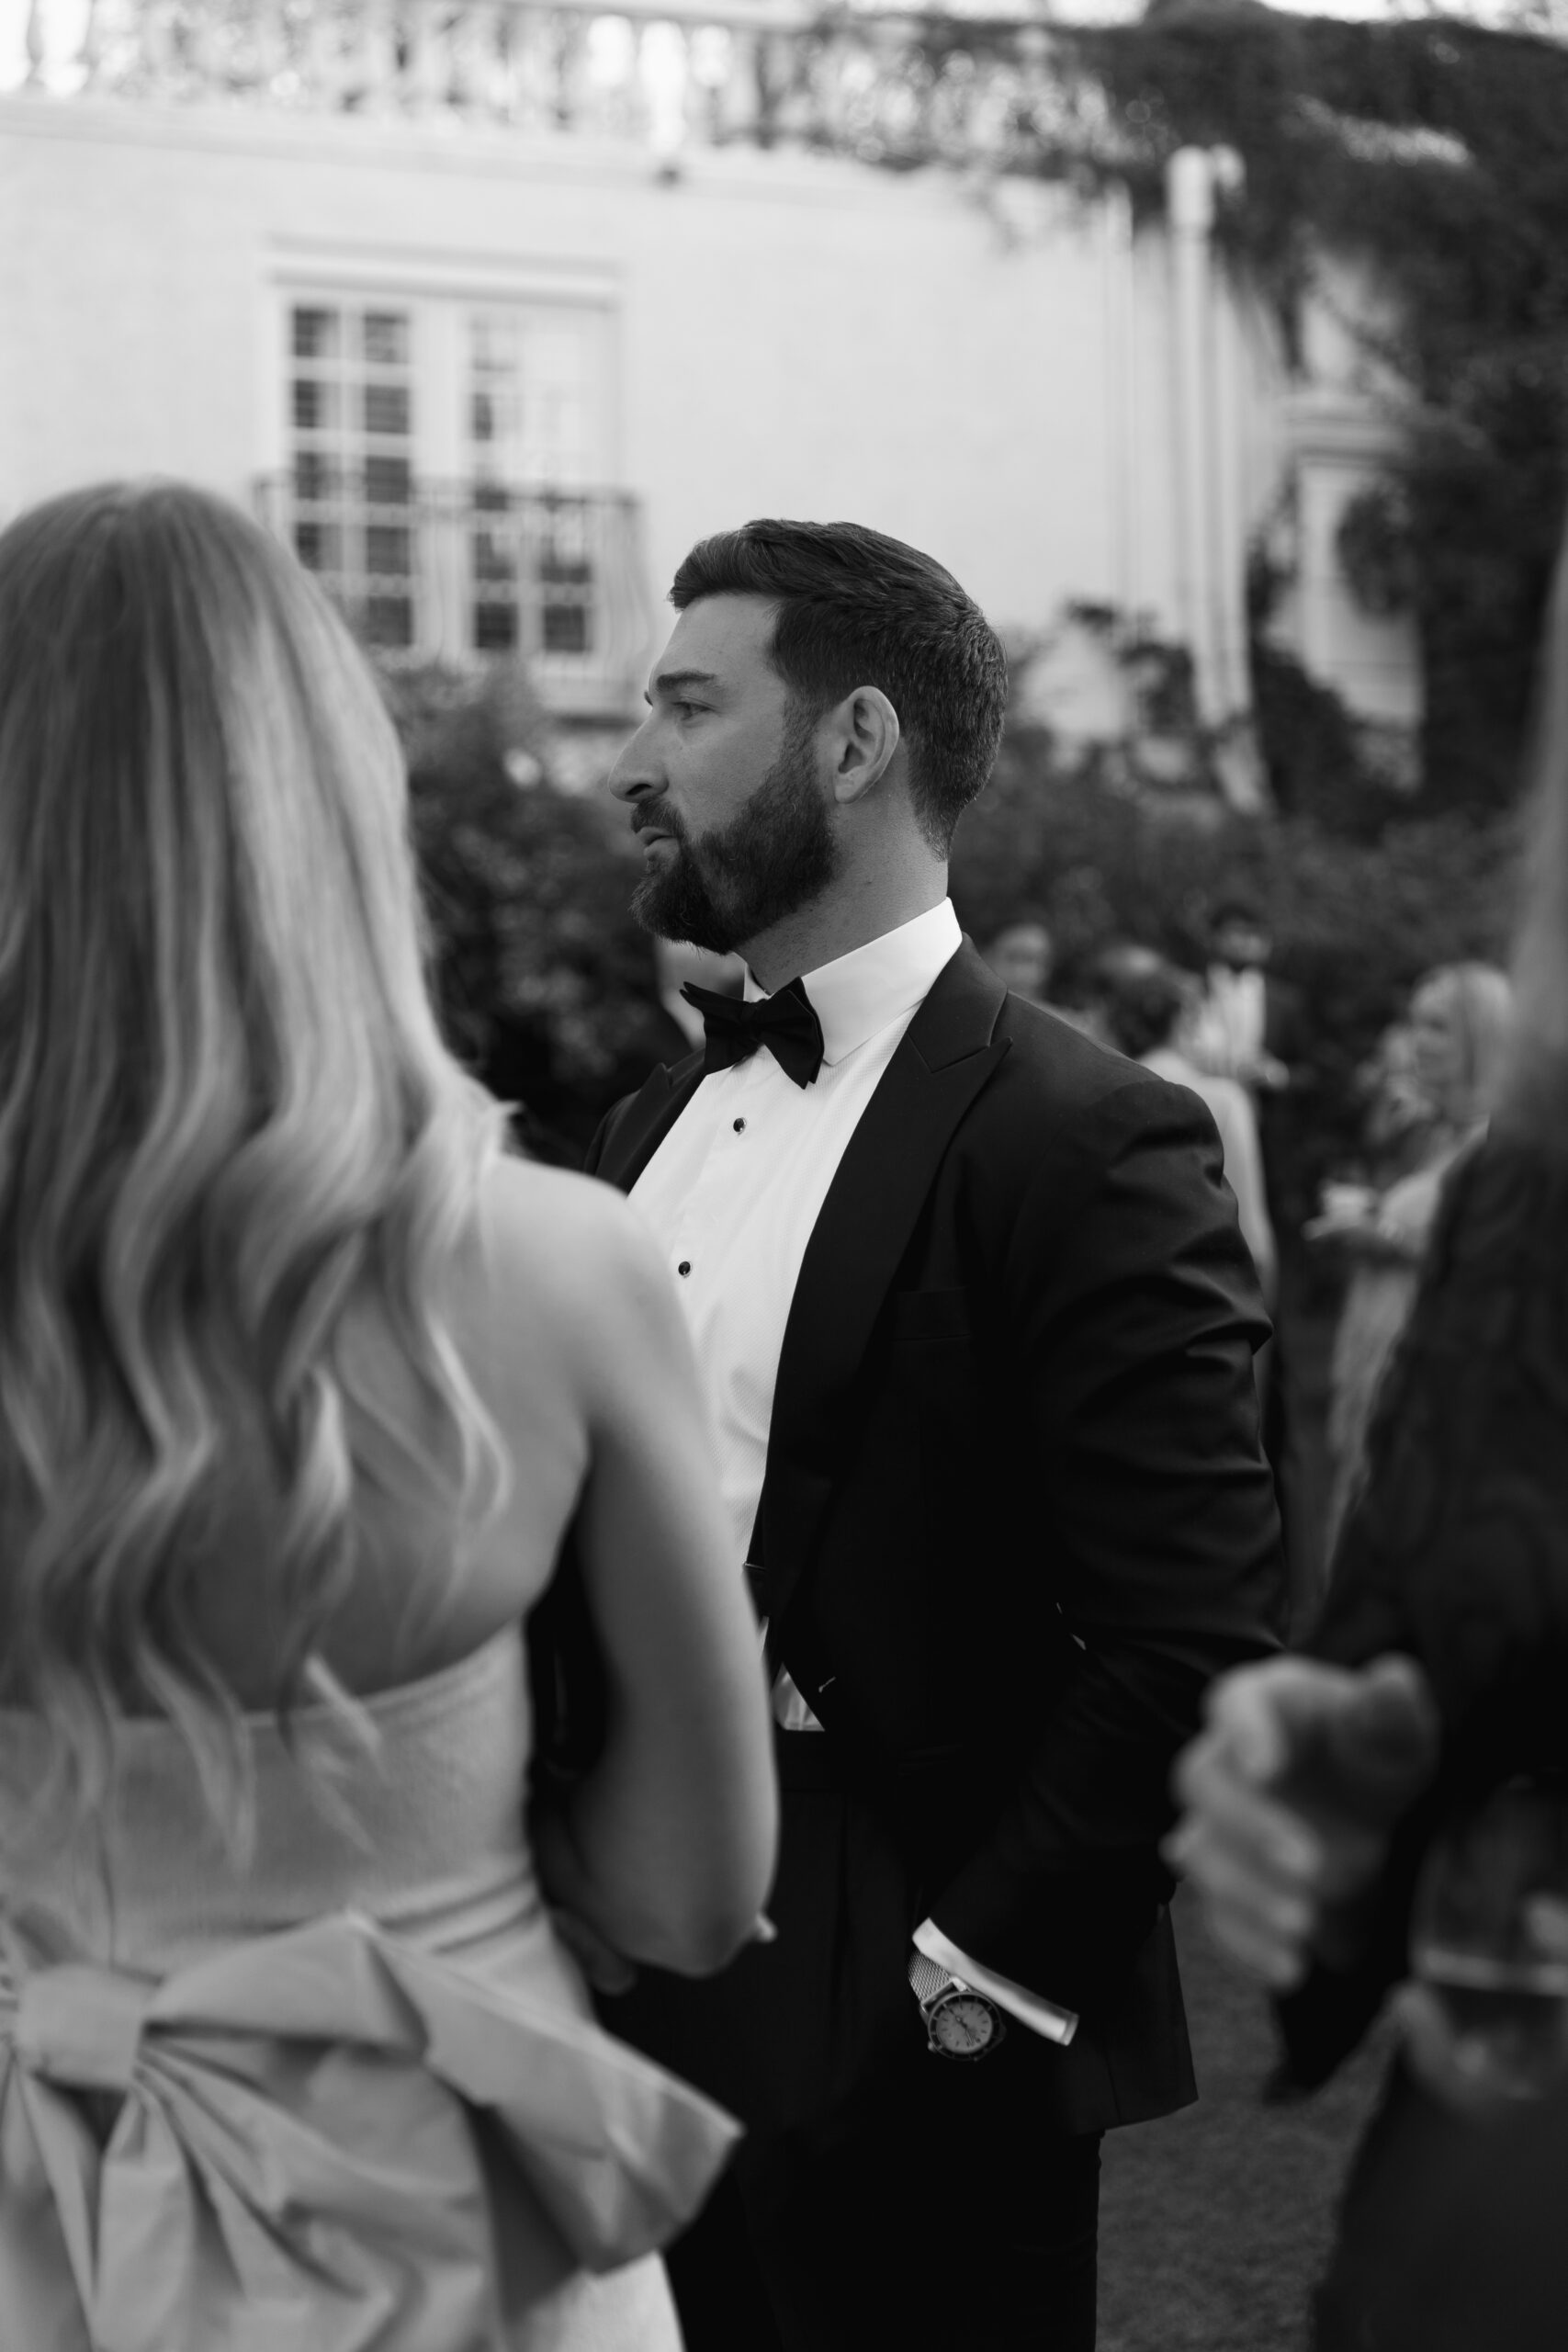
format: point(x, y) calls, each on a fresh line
point(858, 609)
point(1237, 909)
point(1140, 1005)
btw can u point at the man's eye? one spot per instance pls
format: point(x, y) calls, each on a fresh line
point(686, 708)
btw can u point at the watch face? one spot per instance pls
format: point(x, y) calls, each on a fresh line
point(963, 2027)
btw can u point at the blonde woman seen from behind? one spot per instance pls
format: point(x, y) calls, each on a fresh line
point(1456, 1033)
point(303, 1383)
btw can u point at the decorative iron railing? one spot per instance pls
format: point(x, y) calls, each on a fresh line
point(874, 83)
point(459, 571)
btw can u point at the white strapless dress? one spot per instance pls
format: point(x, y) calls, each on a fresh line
point(350, 2099)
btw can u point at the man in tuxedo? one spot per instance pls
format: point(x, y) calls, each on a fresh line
point(977, 1325)
point(1252, 1026)
point(1249, 1025)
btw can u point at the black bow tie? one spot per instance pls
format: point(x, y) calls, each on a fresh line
point(785, 1023)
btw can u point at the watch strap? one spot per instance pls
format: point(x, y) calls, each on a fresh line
point(929, 1980)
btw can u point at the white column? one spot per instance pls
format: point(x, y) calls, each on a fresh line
point(1211, 530)
point(1123, 487)
point(1189, 210)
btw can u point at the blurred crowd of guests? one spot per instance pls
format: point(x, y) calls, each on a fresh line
point(1382, 1817)
point(1236, 1034)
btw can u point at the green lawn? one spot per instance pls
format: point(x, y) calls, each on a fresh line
point(1214, 2224)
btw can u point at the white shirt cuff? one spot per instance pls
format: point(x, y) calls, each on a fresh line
point(1030, 2009)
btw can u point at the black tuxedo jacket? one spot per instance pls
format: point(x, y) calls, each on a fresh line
point(1015, 1514)
point(1284, 1020)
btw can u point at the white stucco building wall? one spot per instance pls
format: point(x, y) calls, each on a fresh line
point(794, 335)
point(986, 369)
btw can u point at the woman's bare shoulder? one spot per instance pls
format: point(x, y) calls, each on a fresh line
point(555, 1215)
point(571, 1244)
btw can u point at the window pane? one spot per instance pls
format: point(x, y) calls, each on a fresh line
point(483, 417)
point(388, 551)
point(387, 408)
point(315, 475)
point(385, 338)
point(388, 482)
point(495, 628)
point(315, 404)
point(315, 334)
point(492, 558)
point(555, 567)
point(316, 545)
point(566, 629)
point(388, 620)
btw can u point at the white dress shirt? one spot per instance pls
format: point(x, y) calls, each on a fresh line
point(731, 1197)
point(1241, 1157)
point(733, 1191)
point(1227, 1033)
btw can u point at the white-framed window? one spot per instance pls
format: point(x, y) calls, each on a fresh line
point(351, 412)
point(443, 469)
point(531, 426)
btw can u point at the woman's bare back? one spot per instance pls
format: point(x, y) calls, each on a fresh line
point(511, 1305)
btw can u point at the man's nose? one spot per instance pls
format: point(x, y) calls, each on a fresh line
point(636, 772)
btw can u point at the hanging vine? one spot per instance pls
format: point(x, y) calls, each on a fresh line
point(1433, 153)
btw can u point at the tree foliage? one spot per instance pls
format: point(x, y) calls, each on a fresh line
point(542, 981)
point(1355, 922)
point(1435, 153)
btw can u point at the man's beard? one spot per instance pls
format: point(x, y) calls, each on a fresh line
point(771, 860)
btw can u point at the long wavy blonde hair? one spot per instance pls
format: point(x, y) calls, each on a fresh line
point(1479, 1001)
point(225, 1107)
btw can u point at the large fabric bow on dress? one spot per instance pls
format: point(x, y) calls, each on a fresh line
point(327, 2141)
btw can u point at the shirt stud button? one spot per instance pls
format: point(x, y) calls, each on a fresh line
point(684, 1267)
point(739, 1126)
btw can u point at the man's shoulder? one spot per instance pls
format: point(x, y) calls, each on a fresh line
point(1054, 1077)
point(1225, 1097)
point(1060, 1113)
point(1052, 1044)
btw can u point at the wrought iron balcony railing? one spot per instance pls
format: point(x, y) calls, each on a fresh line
point(457, 571)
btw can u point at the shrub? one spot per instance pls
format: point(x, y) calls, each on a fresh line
point(540, 973)
point(1355, 922)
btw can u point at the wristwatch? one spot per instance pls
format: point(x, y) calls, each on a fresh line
point(960, 2022)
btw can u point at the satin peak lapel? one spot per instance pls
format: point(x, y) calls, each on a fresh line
point(946, 1055)
point(645, 1120)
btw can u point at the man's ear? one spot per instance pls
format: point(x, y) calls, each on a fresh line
point(863, 735)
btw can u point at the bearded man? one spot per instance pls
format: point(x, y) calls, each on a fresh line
point(976, 1326)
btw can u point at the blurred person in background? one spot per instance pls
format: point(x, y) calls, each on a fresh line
point(1398, 1113)
point(1022, 956)
point(1436, 1675)
point(1148, 1008)
point(1445, 1060)
point(1251, 1027)
point(305, 1380)
point(1074, 998)
point(1086, 980)
point(1248, 1023)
